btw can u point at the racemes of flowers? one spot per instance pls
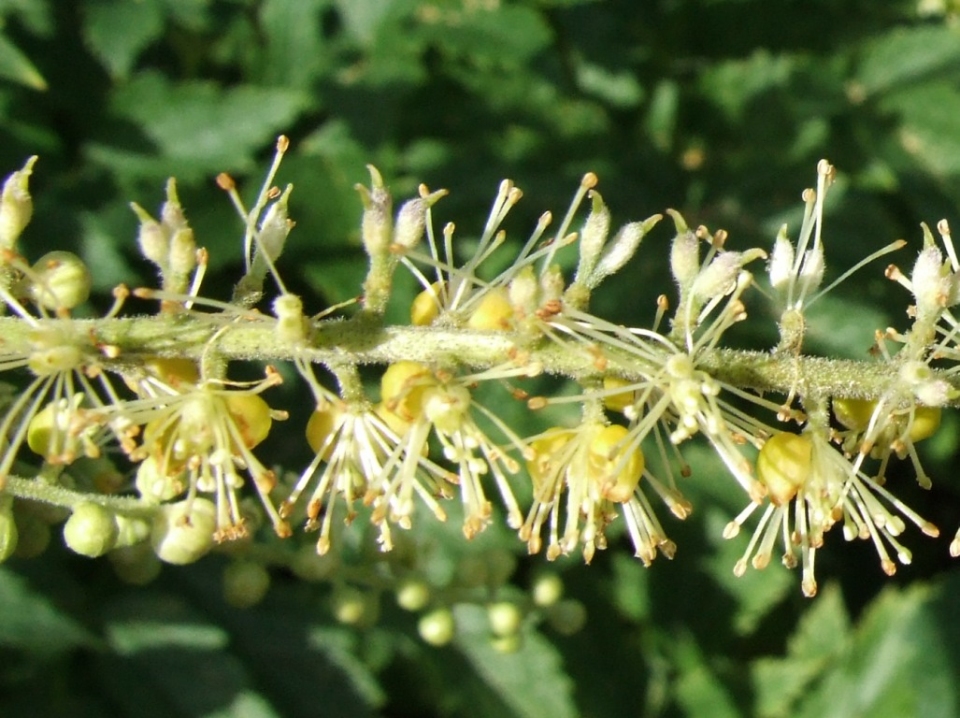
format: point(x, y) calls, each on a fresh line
point(807, 440)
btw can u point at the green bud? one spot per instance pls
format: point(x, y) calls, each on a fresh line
point(91, 530)
point(546, 590)
point(131, 531)
point(60, 280)
point(413, 594)
point(182, 256)
point(154, 485)
point(153, 239)
point(171, 214)
point(437, 627)
point(16, 205)
point(183, 532)
point(354, 607)
point(376, 227)
point(505, 618)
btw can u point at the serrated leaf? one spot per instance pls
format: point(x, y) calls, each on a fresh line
point(900, 662)
point(531, 681)
point(29, 622)
point(16, 66)
point(117, 31)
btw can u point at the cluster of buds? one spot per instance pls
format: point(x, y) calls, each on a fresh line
point(431, 431)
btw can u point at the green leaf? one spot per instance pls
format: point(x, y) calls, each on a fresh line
point(29, 622)
point(902, 660)
point(699, 690)
point(619, 89)
point(117, 31)
point(930, 129)
point(295, 52)
point(821, 634)
point(733, 84)
point(170, 660)
point(908, 56)
point(202, 125)
point(530, 682)
point(16, 66)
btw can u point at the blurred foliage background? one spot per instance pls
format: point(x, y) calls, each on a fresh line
point(719, 108)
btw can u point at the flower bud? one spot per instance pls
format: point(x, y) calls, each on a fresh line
point(155, 485)
point(547, 589)
point(60, 281)
point(183, 532)
point(933, 287)
point(551, 283)
point(171, 214)
point(131, 531)
point(445, 406)
point(413, 594)
point(91, 530)
point(354, 607)
point(153, 239)
point(182, 253)
point(685, 259)
point(16, 205)
point(621, 249)
point(437, 627)
point(411, 221)
point(292, 326)
point(376, 227)
point(780, 267)
point(505, 618)
point(718, 277)
point(592, 237)
point(524, 292)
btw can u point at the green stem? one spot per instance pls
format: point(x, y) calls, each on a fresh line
point(360, 341)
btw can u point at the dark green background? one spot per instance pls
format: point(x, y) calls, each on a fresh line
point(718, 108)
